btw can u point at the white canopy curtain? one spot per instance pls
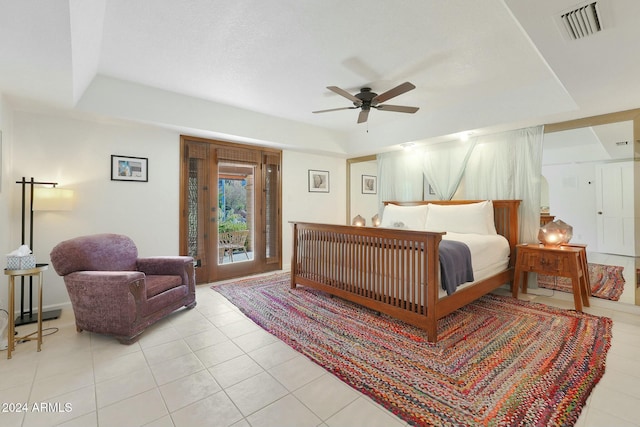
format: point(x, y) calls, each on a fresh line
point(443, 165)
point(399, 176)
point(508, 165)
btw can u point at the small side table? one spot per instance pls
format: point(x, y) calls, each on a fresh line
point(565, 261)
point(36, 271)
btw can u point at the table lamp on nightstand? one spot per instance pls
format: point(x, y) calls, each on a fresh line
point(555, 233)
point(358, 221)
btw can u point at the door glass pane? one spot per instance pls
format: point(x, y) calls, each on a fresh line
point(272, 231)
point(236, 212)
point(195, 246)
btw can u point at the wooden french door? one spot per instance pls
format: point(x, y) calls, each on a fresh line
point(230, 210)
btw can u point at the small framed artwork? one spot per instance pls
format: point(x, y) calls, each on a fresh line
point(318, 181)
point(369, 184)
point(124, 168)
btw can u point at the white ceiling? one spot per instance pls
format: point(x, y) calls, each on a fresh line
point(478, 66)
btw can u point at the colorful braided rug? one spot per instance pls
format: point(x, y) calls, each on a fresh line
point(498, 361)
point(607, 281)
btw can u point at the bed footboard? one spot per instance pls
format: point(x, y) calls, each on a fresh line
point(391, 271)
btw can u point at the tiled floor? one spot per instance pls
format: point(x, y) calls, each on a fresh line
point(211, 366)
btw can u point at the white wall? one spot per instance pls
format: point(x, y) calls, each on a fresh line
point(572, 198)
point(365, 205)
point(5, 164)
point(298, 204)
point(76, 153)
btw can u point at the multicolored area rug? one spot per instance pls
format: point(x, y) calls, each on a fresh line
point(498, 361)
point(607, 282)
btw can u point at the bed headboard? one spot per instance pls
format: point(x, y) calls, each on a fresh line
point(505, 214)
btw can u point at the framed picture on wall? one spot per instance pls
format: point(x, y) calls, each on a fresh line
point(369, 184)
point(318, 181)
point(125, 168)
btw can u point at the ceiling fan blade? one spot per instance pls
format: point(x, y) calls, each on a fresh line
point(335, 109)
point(398, 90)
point(362, 117)
point(346, 94)
point(397, 108)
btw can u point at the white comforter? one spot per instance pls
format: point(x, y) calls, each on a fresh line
point(489, 253)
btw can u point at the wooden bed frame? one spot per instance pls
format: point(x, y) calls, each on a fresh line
point(387, 270)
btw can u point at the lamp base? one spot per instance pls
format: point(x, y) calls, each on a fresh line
point(33, 317)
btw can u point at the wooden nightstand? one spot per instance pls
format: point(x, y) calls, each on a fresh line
point(565, 261)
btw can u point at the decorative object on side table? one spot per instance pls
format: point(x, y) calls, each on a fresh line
point(555, 233)
point(359, 221)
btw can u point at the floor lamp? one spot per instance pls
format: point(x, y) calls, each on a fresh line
point(39, 198)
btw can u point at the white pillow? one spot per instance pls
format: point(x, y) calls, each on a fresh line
point(411, 217)
point(476, 218)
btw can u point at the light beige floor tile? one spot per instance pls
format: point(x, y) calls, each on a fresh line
point(296, 372)
point(254, 340)
point(123, 387)
point(597, 418)
point(225, 318)
point(255, 393)
point(364, 413)
point(55, 385)
point(218, 353)
point(235, 370)
point(165, 351)
point(187, 390)
point(62, 409)
point(273, 354)
point(615, 403)
point(64, 364)
point(87, 420)
point(165, 421)
point(179, 367)
point(326, 395)
point(285, 412)
point(134, 411)
point(156, 336)
point(104, 348)
point(239, 328)
point(131, 363)
point(205, 339)
point(215, 410)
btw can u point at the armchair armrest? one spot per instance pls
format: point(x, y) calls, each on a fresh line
point(106, 300)
point(165, 265)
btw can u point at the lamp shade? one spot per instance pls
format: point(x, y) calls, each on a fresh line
point(52, 199)
point(555, 233)
point(358, 221)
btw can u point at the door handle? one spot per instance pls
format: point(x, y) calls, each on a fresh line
point(599, 212)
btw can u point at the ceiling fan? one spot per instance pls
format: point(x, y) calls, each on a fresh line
point(366, 100)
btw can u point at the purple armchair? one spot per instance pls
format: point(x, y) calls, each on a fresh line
point(114, 292)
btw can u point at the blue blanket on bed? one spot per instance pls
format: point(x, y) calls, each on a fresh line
point(455, 265)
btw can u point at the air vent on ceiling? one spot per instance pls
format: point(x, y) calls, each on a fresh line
point(582, 22)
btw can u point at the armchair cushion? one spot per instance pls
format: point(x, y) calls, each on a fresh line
point(115, 292)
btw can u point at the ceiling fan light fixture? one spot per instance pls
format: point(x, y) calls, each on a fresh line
point(366, 99)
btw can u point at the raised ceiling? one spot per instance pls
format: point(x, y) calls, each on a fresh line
point(478, 66)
